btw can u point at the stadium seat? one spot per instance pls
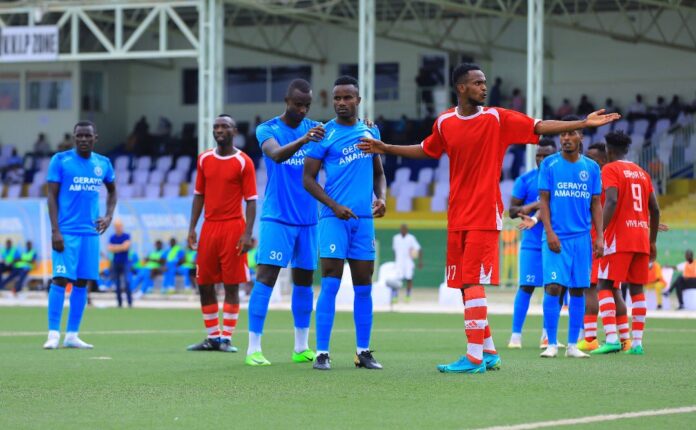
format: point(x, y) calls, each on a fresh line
point(143, 163)
point(404, 199)
point(163, 163)
point(153, 191)
point(175, 177)
point(425, 177)
point(171, 190)
point(140, 177)
point(402, 176)
point(508, 160)
point(123, 177)
point(125, 191)
point(450, 297)
point(156, 177)
point(381, 292)
point(440, 197)
point(621, 125)
point(121, 163)
point(506, 191)
point(601, 132)
point(661, 126)
point(689, 299)
point(14, 191)
point(183, 163)
point(640, 127)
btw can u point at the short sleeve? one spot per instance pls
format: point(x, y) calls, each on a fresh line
point(55, 170)
point(519, 190)
point(112, 239)
point(516, 127)
point(109, 176)
point(263, 133)
point(609, 178)
point(318, 150)
point(597, 180)
point(544, 176)
point(433, 145)
point(249, 179)
point(374, 131)
point(415, 244)
point(200, 177)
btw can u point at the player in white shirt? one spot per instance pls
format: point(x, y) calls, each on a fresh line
point(406, 249)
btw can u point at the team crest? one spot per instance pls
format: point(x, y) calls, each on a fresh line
point(98, 171)
point(584, 176)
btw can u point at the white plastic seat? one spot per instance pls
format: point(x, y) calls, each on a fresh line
point(121, 163)
point(183, 163)
point(156, 177)
point(404, 200)
point(171, 190)
point(640, 126)
point(140, 176)
point(175, 177)
point(125, 191)
point(153, 191)
point(163, 163)
point(661, 126)
point(14, 191)
point(143, 163)
point(123, 177)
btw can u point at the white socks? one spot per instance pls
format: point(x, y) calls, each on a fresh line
point(254, 343)
point(301, 339)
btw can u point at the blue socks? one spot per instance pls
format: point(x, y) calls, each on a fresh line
point(56, 297)
point(78, 301)
point(302, 304)
point(576, 312)
point(362, 315)
point(258, 306)
point(326, 311)
point(519, 314)
point(552, 313)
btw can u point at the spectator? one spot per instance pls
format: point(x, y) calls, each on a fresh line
point(119, 246)
point(406, 248)
point(674, 108)
point(187, 268)
point(565, 109)
point(609, 106)
point(517, 102)
point(637, 109)
point(547, 110)
point(656, 281)
point(8, 257)
point(21, 268)
point(585, 107)
point(41, 147)
point(149, 269)
point(173, 257)
point(66, 144)
point(495, 97)
point(687, 279)
point(659, 110)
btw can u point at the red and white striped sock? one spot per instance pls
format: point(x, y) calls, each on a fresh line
point(211, 320)
point(638, 313)
point(622, 326)
point(230, 313)
point(590, 325)
point(475, 313)
point(488, 345)
point(607, 310)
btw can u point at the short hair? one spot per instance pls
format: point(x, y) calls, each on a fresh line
point(573, 117)
point(599, 146)
point(85, 123)
point(300, 85)
point(462, 70)
point(346, 80)
point(547, 141)
point(619, 140)
point(225, 115)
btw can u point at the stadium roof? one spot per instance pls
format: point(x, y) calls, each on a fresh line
point(449, 25)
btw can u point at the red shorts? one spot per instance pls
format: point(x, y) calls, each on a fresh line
point(631, 267)
point(472, 258)
point(594, 271)
point(218, 256)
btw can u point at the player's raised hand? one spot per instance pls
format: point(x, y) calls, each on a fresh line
point(193, 239)
point(553, 243)
point(598, 247)
point(315, 134)
point(244, 244)
point(372, 146)
point(527, 222)
point(57, 242)
point(662, 227)
point(598, 118)
point(103, 223)
point(379, 208)
point(343, 212)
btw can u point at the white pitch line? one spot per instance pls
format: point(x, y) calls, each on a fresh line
point(596, 419)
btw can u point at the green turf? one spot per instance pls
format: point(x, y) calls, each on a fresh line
point(150, 381)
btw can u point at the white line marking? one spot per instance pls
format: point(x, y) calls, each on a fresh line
point(596, 419)
point(100, 358)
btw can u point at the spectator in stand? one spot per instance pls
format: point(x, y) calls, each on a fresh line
point(637, 109)
point(585, 107)
point(21, 267)
point(41, 147)
point(674, 108)
point(14, 172)
point(547, 110)
point(565, 109)
point(8, 256)
point(659, 110)
point(609, 106)
point(495, 97)
point(66, 144)
point(517, 102)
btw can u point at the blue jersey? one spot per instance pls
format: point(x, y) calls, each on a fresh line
point(526, 189)
point(80, 180)
point(349, 171)
point(571, 187)
point(118, 239)
point(286, 200)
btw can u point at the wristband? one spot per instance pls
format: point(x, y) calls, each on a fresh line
point(535, 219)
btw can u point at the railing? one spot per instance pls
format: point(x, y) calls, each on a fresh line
point(670, 155)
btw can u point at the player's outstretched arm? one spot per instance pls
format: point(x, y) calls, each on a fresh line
point(374, 146)
point(595, 119)
point(245, 242)
point(56, 237)
point(104, 222)
point(545, 216)
point(379, 206)
point(309, 182)
point(278, 153)
point(654, 209)
point(196, 210)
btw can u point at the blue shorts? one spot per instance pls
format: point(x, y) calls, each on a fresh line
point(531, 273)
point(280, 244)
point(571, 267)
point(353, 239)
point(79, 259)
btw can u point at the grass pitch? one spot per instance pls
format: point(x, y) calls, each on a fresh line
point(140, 376)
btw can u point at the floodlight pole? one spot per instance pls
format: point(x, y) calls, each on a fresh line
point(366, 58)
point(535, 68)
point(210, 68)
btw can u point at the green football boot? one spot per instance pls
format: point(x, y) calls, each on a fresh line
point(636, 350)
point(607, 348)
point(256, 359)
point(306, 356)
